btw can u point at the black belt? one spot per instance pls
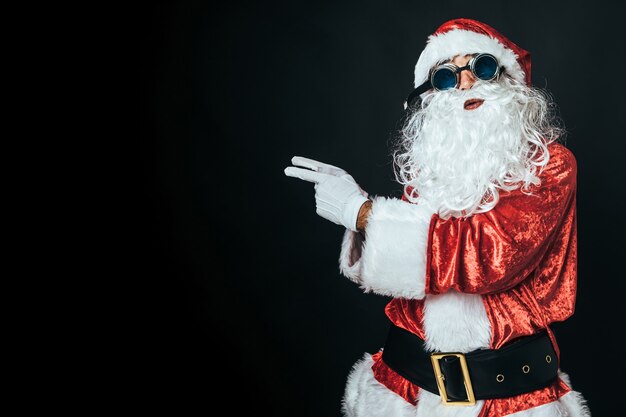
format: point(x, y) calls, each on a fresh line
point(526, 364)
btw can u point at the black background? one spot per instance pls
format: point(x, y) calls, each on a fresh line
point(241, 276)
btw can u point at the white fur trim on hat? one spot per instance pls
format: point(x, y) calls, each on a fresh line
point(462, 42)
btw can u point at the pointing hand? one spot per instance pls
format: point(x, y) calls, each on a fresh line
point(338, 197)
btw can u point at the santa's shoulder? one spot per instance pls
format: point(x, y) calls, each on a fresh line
point(562, 163)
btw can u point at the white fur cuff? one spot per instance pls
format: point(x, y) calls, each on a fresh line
point(391, 259)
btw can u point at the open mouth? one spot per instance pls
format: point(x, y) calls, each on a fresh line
point(473, 103)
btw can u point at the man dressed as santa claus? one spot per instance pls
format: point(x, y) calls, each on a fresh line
point(479, 255)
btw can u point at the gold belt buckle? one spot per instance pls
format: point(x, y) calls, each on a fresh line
point(435, 357)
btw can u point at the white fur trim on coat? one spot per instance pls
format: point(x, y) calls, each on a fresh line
point(350, 256)
point(429, 405)
point(455, 322)
point(366, 397)
point(391, 259)
point(461, 42)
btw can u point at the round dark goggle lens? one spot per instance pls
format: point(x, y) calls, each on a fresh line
point(485, 67)
point(444, 79)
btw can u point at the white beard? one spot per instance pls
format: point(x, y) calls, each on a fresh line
point(457, 159)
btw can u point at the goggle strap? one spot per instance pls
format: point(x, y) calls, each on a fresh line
point(417, 92)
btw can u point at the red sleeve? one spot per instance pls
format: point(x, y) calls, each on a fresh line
point(494, 251)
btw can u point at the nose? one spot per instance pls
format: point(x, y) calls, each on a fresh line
point(466, 80)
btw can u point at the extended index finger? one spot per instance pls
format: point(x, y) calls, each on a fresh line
point(304, 174)
point(317, 165)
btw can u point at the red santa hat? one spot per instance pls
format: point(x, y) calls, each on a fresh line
point(467, 36)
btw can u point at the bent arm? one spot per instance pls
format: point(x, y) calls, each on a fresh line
point(494, 251)
point(408, 251)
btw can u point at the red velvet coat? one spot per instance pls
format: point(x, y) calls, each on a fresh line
point(520, 256)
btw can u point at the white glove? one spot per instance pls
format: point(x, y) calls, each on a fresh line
point(338, 197)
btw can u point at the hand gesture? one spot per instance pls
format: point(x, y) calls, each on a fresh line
point(338, 197)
